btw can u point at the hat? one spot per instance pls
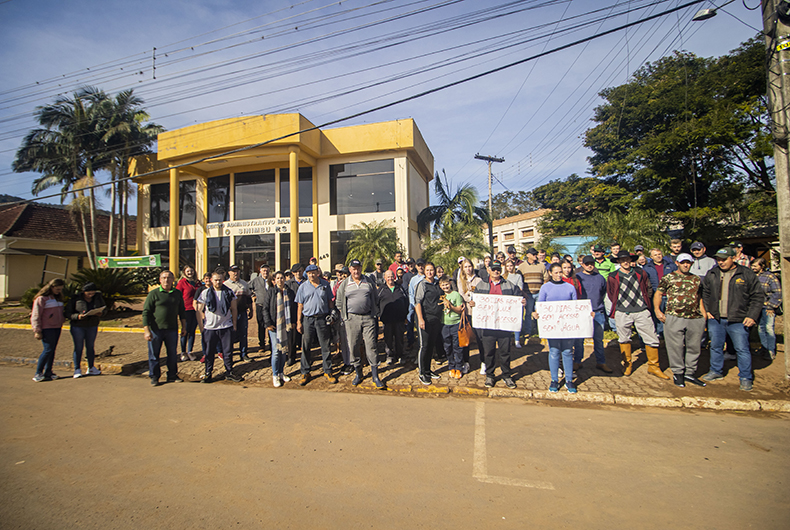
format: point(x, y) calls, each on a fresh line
point(599, 248)
point(345, 270)
point(532, 251)
point(684, 257)
point(639, 247)
point(461, 259)
point(313, 258)
point(410, 261)
point(623, 254)
point(90, 286)
point(737, 244)
point(495, 265)
point(296, 267)
point(420, 261)
point(587, 260)
point(511, 249)
point(263, 265)
point(379, 262)
point(696, 245)
point(355, 263)
point(724, 253)
point(311, 268)
point(235, 268)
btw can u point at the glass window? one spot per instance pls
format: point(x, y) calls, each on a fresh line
point(338, 248)
point(305, 249)
point(218, 253)
point(160, 204)
point(305, 192)
point(254, 251)
point(219, 199)
point(254, 196)
point(186, 252)
point(362, 187)
point(186, 199)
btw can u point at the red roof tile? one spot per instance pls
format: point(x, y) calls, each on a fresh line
point(42, 221)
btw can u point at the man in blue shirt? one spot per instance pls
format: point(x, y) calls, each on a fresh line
point(594, 289)
point(412, 289)
point(314, 303)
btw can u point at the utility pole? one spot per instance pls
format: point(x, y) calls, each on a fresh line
point(776, 26)
point(490, 160)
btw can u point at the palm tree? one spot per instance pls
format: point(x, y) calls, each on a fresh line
point(452, 241)
point(461, 207)
point(372, 241)
point(67, 151)
point(636, 227)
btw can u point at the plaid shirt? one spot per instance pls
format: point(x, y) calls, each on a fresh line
point(772, 288)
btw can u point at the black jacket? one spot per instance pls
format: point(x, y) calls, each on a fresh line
point(746, 295)
point(393, 305)
point(78, 305)
point(270, 306)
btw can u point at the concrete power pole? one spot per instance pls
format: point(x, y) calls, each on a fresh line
point(490, 160)
point(777, 41)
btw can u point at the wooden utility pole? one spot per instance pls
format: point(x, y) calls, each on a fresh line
point(490, 160)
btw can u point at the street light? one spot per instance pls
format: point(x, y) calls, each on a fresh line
point(705, 14)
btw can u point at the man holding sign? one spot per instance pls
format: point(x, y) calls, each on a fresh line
point(494, 334)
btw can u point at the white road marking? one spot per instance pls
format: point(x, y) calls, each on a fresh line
point(480, 462)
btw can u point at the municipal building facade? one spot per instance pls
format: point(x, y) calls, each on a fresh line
point(241, 184)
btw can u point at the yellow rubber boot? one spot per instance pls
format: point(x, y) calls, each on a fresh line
point(652, 363)
point(625, 350)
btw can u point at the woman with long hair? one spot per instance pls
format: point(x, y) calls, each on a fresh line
point(84, 315)
point(467, 282)
point(513, 276)
point(47, 321)
point(773, 299)
point(279, 316)
point(189, 284)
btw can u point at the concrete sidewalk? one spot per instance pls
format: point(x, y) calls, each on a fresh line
point(123, 351)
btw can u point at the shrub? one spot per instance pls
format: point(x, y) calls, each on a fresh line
point(115, 285)
point(69, 290)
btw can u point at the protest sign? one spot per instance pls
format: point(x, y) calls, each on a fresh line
point(570, 319)
point(493, 311)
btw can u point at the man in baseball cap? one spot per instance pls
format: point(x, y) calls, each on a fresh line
point(702, 263)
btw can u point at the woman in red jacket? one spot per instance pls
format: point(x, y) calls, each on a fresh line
point(188, 285)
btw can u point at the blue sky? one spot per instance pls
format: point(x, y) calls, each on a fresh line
point(220, 59)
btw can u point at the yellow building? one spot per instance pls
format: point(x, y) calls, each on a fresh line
point(520, 231)
point(242, 183)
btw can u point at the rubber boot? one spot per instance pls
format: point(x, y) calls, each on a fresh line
point(625, 350)
point(358, 379)
point(652, 362)
point(374, 372)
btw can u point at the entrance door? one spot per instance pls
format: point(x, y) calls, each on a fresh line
point(252, 252)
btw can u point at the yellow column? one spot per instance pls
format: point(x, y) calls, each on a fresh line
point(174, 215)
point(293, 159)
point(315, 212)
point(203, 219)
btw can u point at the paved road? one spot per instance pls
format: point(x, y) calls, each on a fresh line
point(113, 452)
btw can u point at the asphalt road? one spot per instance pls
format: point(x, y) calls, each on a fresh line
point(114, 452)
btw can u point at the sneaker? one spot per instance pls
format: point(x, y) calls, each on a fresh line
point(184, 357)
point(276, 381)
point(711, 376)
point(518, 344)
point(154, 382)
point(509, 382)
point(571, 387)
point(205, 378)
point(176, 379)
point(192, 356)
point(203, 359)
point(465, 368)
point(694, 380)
point(730, 357)
point(425, 380)
point(245, 357)
point(680, 380)
point(746, 385)
point(284, 378)
point(489, 382)
point(554, 387)
point(434, 375)
point(230, 376)
point(94, 371)
point(441, 360)
point(53, 376)
point(347, 369)
point(38, 378)
point(77, 373)
point(482, 368)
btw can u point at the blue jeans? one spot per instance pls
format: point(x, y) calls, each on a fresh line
point(529, 323)
point(188, 342)
point(564, 348)
point(451, 347)
point(719, 330)
point(578, 350)
point(278, 358)
point(240, 335)
point(657, 322)
point(84, 336)
point(765, 329)
point(49, 339)
point(168, 337)
point(599, 321)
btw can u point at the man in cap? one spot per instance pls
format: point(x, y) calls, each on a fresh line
point(243, 294)
point(630, 295)
point(495, 343)
point(357, 300)
point(680, 291)
point(259, 286)
point(702, 263)
point(602, 263)
point(513, 256)
point(535, 275)
point(639, 250)
point(733, 299)
point(740, 258)
point(594, 289)
point(378, 275)
point(314, 303)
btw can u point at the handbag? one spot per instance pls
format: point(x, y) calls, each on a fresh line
point(464, 330)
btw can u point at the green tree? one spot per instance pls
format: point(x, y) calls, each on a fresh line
point(636, 227)
point(460, 207)
point(510, 203)
point(372, 241)
point(452, 241)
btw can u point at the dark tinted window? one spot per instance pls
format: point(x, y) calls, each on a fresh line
point(219, 199)
point(254, 197)
point(362, 187)
point(186, 198)
point(305, 192)
point(160, 205)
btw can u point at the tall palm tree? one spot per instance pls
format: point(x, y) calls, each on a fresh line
point(67, 150)
point(452, 241)
point(460, 207)
point(636, 227)
point(372, 241)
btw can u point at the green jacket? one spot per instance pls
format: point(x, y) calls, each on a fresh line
point(163, 310)
point(605, 268)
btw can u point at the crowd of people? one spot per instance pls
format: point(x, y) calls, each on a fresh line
point(686, 300)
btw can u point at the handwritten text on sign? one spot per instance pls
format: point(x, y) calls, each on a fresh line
point(565, 320)
point(493, 311)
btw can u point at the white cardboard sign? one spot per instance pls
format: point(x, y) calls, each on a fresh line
point(565, 320)
point(495, 311)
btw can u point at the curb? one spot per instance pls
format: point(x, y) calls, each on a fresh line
point(106, 368)
point(67, 327)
